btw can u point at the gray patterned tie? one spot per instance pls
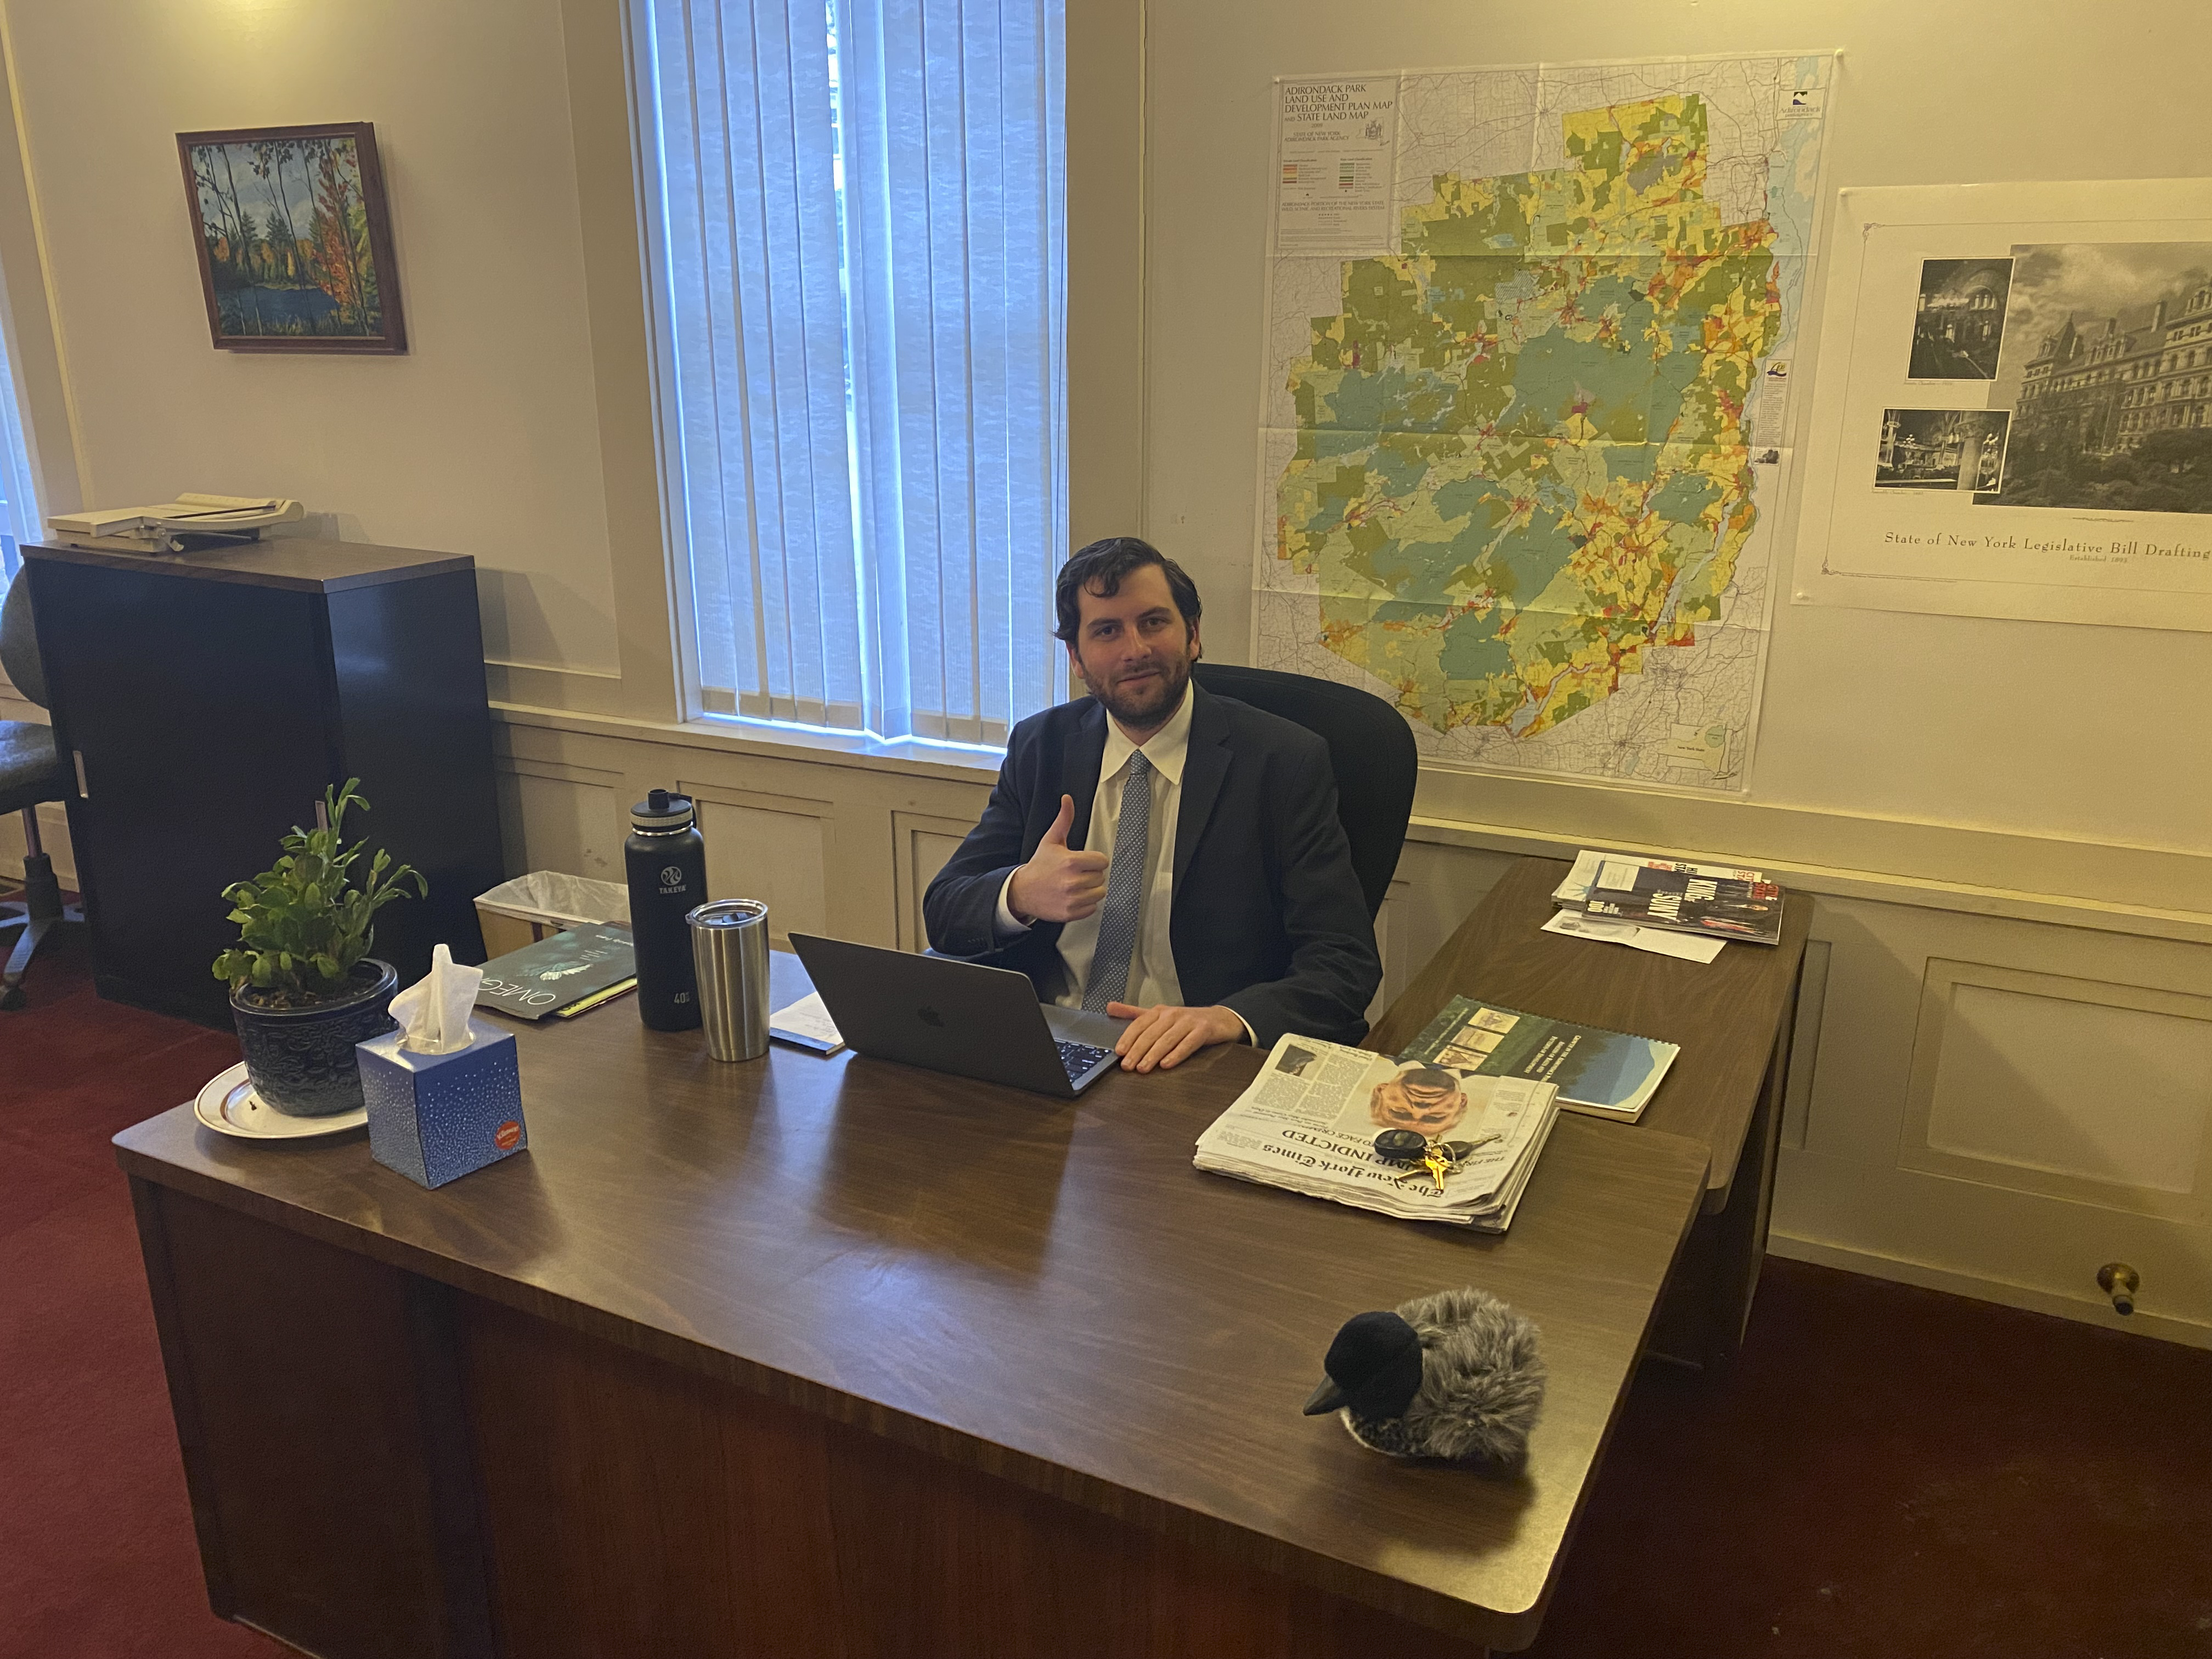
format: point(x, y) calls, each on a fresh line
point(1109, 978)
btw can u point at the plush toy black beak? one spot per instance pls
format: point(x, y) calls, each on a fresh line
point(1326, 1398)
point(1374, 1366)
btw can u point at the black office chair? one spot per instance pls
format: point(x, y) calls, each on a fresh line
point(1370, 750)
point(32, 770)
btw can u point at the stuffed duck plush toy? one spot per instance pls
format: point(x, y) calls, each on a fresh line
point(1455, 1377)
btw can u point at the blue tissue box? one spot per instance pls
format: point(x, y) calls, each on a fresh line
point(434, 1117)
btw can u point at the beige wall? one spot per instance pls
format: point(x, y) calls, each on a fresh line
point(2090, 735)
point(484, 438)
point(2007, 828)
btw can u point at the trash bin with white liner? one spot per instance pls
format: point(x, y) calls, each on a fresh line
point(545, 902)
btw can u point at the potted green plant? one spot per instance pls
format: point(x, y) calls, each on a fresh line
point(303, 987)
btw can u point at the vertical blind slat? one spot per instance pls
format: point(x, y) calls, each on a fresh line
point(723, 622)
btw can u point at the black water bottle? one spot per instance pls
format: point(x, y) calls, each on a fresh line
point(667, 866)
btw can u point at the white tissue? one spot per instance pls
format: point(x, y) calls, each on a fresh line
point(433, 1011)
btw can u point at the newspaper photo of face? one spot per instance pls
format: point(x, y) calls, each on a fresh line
point(1430, 1100)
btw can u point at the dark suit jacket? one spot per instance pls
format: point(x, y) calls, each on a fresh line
point(1268, 916)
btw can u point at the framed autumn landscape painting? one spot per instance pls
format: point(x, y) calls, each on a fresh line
point(295, 239)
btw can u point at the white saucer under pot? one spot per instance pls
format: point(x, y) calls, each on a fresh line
point(228, 1105)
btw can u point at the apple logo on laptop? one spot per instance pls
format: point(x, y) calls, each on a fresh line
point(930, 1016)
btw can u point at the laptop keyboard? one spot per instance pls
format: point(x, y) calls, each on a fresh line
point(1077, 1058)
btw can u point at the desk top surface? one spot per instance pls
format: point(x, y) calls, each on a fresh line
point(305, 564)
point(1725, 1013)
point(1047, 1289)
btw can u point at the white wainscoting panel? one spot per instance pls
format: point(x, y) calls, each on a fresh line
point(554, 816)
point(1436, 888)
point(921, 846)
point(53, 836)
point(1805, 1044)
point(2076, 1089)
point(778, 848)
point(2001, 1106)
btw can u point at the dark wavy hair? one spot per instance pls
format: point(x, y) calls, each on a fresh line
point(1099, 568)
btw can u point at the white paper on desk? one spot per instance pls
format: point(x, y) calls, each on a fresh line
point(807, 1024)
point(1690, 947)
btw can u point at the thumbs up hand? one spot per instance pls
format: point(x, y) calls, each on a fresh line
point(1057, 885)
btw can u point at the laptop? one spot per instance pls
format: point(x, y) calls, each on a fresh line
point(957, 1017)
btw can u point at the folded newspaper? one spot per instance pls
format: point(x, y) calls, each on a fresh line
point(1310, 1120)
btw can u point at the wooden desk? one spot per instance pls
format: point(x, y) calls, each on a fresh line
point(809, 1356)
point(1733, 1018)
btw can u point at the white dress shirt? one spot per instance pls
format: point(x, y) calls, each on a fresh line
point(1152, 959)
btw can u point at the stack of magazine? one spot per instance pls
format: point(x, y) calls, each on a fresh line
point(1310, 1121)
point(1714, 899)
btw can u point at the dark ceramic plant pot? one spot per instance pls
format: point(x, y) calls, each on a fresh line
point(301, 1059)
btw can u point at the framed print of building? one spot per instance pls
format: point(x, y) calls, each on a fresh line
point(2112, 397)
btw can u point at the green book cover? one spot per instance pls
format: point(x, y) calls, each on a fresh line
point(1605, 1073)
point(555, 973)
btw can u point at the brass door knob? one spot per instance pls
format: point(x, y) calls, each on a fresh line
point(2118, 1281)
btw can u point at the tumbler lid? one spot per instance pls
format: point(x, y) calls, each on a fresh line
point(727, 913)
point(662, 810)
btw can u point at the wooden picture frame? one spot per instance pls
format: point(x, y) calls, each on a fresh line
point(294, 238)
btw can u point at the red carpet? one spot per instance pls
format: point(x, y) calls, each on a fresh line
point(97, 1557)
point(1886, 1473)
point(1889, 1473)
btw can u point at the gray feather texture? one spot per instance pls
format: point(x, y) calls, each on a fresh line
point(1482, 1384)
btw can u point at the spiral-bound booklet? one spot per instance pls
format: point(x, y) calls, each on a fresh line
point(1603, 1073)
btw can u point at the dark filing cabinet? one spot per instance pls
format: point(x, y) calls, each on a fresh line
point(209, 697)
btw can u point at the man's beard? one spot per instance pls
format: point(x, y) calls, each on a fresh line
point(1148, 702)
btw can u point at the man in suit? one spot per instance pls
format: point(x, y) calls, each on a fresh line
point(1169, 857)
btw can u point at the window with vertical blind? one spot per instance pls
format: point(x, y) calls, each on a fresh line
point(857, 239)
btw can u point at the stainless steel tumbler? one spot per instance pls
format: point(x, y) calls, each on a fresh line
point(729, 948)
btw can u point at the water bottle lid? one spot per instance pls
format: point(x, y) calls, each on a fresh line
point(662, 810)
